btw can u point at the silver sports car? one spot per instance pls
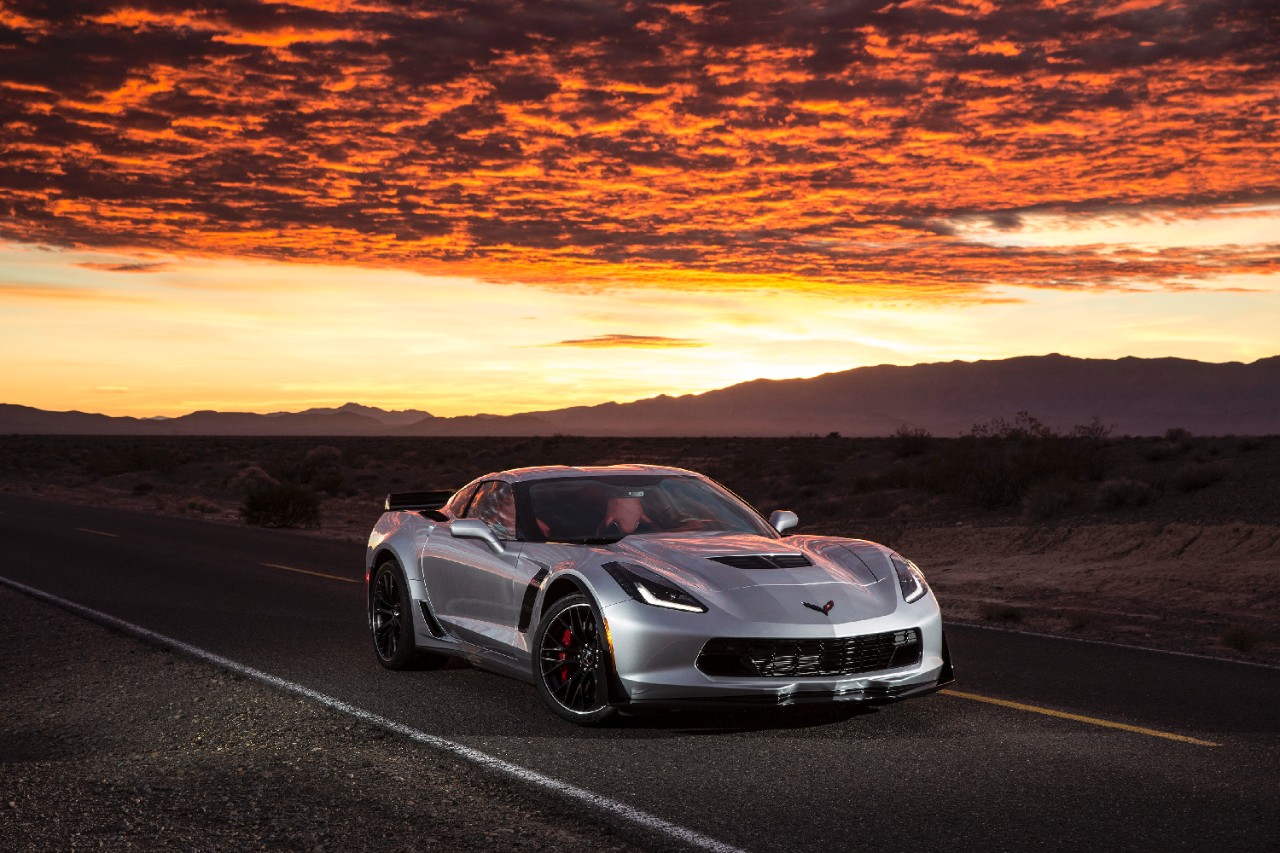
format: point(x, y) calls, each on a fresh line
point(619, 587)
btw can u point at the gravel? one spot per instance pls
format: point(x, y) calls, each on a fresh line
point(106, 742)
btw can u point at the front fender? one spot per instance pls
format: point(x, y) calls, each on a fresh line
point(399, 535)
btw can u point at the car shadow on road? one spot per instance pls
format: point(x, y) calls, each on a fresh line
point(716, 720)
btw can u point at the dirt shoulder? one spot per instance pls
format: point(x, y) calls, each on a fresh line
point(106, 742)
point(1206, 589)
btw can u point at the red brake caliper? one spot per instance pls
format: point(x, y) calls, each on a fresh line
point(565, 640)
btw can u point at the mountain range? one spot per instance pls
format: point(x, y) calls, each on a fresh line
point(1134, 396)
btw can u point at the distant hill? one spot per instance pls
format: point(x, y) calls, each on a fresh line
point(399, 417)
point(1134, 395)
point(1138, 396)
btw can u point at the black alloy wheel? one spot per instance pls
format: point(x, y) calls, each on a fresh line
point(391, 622)
point(571, 664)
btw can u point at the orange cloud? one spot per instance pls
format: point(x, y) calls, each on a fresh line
point(142, 267)
point(636, 341)
point(794, 145)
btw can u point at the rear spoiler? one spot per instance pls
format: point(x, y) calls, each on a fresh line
point(417, 500)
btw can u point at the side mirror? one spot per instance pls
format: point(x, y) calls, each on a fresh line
point(474, 528)
point(783, 520)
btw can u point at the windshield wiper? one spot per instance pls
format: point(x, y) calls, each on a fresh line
point(590, 540)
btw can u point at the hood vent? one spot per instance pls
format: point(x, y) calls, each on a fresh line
point(764, 561)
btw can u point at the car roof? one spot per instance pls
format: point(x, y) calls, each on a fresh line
point(555, 472)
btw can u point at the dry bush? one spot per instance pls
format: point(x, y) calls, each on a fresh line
point(1122, 492)
point(249, 478)
point(200, 505)
point(998, 462)
point(911, 441)
point(281, 505)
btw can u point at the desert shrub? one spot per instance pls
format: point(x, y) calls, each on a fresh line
point(1122, 492)
point(1177, 435)
point(1023, 426)
point(1242, 638)
point(281, 505)
point(911, 441)
point(199, 505)
point(998, 462)
point(324, 456)
point(249, 478)
point(1190, 478)
point(1046, 500)
point(1090, 443)
point(1095, 431)
point(321, 469)
point(1248, 444)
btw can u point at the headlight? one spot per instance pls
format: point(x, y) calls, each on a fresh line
point(644, 585)
point(910, 578)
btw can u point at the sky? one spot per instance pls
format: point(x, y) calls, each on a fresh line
point(500, 207)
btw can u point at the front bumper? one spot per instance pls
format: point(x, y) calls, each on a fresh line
point(655, 651)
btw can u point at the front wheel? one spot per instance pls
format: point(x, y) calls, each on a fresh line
point(391, 621)
point(571, 662)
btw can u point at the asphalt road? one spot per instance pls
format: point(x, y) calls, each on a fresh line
point(945, 772)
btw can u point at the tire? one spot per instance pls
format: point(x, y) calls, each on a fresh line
point(571, 663)
point(391, 622)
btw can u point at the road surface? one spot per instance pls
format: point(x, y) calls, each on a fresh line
point(1043, 743)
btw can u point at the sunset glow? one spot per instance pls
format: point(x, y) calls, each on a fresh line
point(276, 205)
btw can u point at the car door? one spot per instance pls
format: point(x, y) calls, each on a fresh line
point(476, 593)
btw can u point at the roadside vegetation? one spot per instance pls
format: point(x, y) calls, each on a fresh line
point(1143, 539)
point(1015, 471)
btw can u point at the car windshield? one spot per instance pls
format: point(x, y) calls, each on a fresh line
point(606, 508)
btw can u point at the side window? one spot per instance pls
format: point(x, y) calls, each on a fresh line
point(495, 505)
point(459, 501)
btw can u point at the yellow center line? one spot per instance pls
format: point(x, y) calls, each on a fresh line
point(308, 572)
point(1049, 712)
point(98, 532)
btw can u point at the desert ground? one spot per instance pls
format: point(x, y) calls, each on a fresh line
point(1171, 542)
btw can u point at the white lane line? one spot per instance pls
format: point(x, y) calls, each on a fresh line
point(644, 819)
point(98, 532)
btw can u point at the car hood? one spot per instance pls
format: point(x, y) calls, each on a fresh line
point(852, 574)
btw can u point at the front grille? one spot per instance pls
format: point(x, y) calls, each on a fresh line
point(764, 561)
point(831, 656)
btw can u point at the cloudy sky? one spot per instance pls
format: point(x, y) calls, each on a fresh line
point(502, 207)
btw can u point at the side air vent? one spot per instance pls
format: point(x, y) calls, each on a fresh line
point(764, 561)
point(433, 625)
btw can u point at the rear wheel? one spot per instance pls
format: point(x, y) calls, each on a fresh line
point(391, 622)
point(571, 661)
